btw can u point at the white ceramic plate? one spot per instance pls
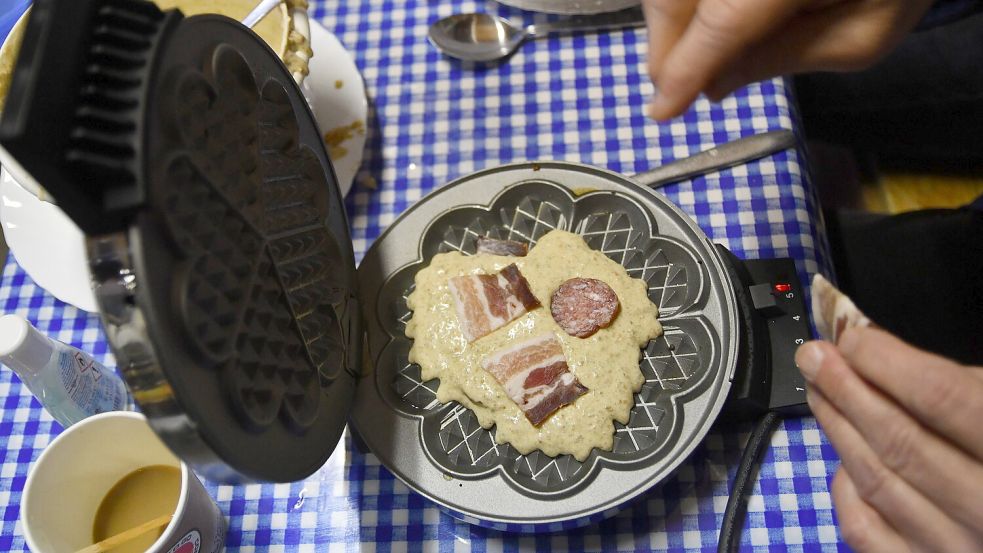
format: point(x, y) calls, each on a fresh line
point(46, 243)
point(334, 106)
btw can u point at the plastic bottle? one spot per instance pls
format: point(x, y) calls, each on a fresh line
point(68, 382)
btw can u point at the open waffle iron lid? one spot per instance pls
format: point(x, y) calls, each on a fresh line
point(224, 271)
point(217, 238)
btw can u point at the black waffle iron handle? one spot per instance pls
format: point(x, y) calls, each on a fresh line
point(751, 388)
point(73, 117)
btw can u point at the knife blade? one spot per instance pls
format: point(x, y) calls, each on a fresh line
point(720, 157)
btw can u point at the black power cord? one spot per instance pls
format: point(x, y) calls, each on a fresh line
point(730, 528)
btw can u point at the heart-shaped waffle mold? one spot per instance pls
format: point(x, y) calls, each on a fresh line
point(674, 365)
point(256, 289)
point(217, 239)
point(257, 338)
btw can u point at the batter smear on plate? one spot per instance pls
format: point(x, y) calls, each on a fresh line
point(535, 376)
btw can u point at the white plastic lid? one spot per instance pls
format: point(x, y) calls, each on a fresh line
point(22, 347)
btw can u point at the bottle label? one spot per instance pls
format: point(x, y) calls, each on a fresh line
point(92, 387)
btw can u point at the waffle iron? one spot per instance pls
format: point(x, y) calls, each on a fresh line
point(224, 271)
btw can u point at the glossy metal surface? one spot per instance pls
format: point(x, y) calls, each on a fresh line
point(440, 451)
point(115, 285)
point(484, 37)
point(735, 152)
point(476, 36)
point(571, 7)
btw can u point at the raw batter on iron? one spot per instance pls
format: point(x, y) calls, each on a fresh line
point(604, 363)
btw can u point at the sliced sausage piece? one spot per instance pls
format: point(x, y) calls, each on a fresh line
point(582, 306)
point(494, 246)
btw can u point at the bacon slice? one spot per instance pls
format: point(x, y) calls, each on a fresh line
point(833, 310)
point(501, 247)
point(485, 303)
point(535, 376)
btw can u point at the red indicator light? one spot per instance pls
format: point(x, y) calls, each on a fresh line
point(782, 288)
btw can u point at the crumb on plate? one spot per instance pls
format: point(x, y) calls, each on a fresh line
point(336, 137)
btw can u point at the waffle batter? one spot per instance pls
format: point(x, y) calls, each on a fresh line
point(606, 362)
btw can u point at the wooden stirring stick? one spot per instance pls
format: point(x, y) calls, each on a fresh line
point(123, 537)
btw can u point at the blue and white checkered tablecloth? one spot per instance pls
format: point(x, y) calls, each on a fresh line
point(577, 98)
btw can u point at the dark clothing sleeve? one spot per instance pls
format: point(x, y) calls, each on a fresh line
point(947, 11)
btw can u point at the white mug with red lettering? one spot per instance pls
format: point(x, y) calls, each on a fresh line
point(75, 472)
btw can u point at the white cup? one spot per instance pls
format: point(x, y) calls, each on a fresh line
point(75, 472)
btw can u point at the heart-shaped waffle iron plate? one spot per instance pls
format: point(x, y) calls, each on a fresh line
point(217, 239)
point(441, 451)
point(239, 330)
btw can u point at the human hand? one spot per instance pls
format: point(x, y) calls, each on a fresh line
point(715, 46)
point(908, 426)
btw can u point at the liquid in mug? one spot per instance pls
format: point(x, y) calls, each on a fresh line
point(140, 496)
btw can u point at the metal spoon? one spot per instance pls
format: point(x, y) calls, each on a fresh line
point(485, 37)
